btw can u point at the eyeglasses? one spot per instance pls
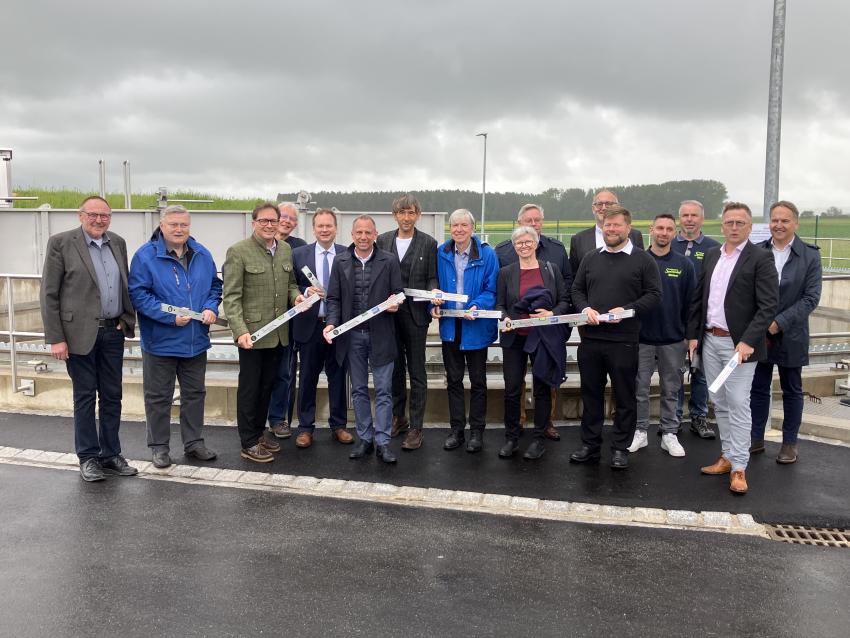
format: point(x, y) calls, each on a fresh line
point(291, 220)
point(176, 225)
point(102, 216)
point(524, 244)
point(603, 204)
point(265, 222)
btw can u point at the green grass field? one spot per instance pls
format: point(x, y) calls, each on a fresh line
point(62, 198)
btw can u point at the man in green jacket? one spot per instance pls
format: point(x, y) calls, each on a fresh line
point(259, 286)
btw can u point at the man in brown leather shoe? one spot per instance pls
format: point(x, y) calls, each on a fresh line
point(733, 305)
point(316, 353)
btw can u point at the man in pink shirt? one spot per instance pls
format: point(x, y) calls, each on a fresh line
point(733, 305)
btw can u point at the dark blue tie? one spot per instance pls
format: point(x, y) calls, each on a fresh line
point(325, 269)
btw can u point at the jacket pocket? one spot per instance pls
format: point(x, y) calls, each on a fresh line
point(252, 317)
point(255, 269)
point(66, 315)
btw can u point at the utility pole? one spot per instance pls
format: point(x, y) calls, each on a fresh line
point(774, 108)
point(483, 184)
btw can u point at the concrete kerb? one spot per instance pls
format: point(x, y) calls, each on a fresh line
point(495, 504)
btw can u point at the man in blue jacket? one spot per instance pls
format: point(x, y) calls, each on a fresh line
point(466, 266)
point(172, 268)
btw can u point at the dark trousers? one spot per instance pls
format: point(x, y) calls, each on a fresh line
point(96, 376)
point(596, 361)
point(158, 384)
point(282, 402)
point(410, 344)
point(257, 373)
point(475, 361)
point(791, 380)
point(514, 366)
point(318, 354)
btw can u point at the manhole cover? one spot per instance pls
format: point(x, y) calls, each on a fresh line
point(801, 535)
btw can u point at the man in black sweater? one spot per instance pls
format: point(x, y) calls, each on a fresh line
point(615, 278)
point(662, 337)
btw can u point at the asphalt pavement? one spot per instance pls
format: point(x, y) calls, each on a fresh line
point(132, 557)
point(814, 491)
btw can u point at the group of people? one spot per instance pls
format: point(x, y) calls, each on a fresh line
point(687, 301)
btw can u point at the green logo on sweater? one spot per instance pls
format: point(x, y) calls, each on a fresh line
point(674, 273)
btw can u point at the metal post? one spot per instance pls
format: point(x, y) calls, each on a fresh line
point(6, 186)
point(128, 196)
point(101, 174)
point(774, 108)
point(483, 185)
point(10, 310)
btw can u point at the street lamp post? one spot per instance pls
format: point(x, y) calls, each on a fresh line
point(483, 184)
point(774, 108)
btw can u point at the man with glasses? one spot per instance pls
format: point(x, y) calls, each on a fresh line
point(691, 243)
point(282, 402)
point(173, 268)
point(259, 286)
point(416, 253)
point(592, 239)
point(87, 314)
point(734, 303)
point(555, 253)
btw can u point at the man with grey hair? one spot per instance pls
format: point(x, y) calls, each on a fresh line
point(174, 269)
point(282, 402)
point(691, 243)
point(554, 252)
point(87, 314)
point(468, 266)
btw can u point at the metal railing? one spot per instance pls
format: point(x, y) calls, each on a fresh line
point(15, 335)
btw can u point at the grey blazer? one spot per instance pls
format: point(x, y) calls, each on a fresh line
point(421, 262)
point(70, 298)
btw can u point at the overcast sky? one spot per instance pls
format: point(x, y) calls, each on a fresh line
point(251, 98)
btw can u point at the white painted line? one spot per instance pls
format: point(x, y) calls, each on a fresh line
point(497, 504)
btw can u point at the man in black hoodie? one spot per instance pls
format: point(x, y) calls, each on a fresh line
point(615, 278)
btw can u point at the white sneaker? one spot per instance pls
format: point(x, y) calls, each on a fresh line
point(639, 441)
point(670, 444)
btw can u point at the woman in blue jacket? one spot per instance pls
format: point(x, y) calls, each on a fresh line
point(800, 275)
point(174, 269)
point(466, 265)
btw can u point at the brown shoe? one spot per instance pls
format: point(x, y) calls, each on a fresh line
point(341, 435)
point(256, 453)
point(757, 446)
point(400, 424)
point(281, 429)
point(551, 433)
point(787, 454)
point(268, 445)
point(413, 440)
point(720, 466)
point(304, 439)
point(738, 482)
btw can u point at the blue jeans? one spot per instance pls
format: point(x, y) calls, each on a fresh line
point(282, 402)
point(97, 376)
point(792, 400)
point(359, 354)
point(698, 403)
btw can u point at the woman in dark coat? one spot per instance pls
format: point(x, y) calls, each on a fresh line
point(529, 288)
point(799, 268)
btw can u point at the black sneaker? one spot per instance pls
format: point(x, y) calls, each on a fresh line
point(91, 471)
point(201, 452)
point(701, 428)
point(118, 466)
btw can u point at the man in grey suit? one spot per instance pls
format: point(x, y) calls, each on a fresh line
point(86, 309)
point(592, 238)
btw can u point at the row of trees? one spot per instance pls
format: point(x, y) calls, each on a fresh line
point(643, 200)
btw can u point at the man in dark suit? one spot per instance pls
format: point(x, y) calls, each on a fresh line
point(87, 314)
point(363, 277)
point(734, 303)
point(316, 353)
point(416, 253)
point(593, 239)
point(555, 253)
point(282, 402)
